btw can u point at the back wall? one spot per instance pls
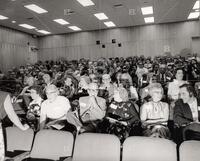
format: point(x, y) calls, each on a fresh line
point(149, 40)
point(14, 50)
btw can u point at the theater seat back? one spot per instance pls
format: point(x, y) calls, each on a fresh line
point(148, 149)
point(52, 144)
point(17, 139)
point(189, 151)
point(96, 147)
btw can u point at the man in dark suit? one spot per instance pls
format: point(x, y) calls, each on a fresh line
point(187, 113)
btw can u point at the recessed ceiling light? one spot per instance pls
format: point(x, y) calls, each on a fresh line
point(61, 21)
point(44, 32)
point(147, 10)
point(101, 16)
point(109, 24)
point(86, 3)
point(36, 8)
point(3, 17)
point(13, 21)
point(193, 15)
point(149, 19)
point(27, 26)
point(75, 28)
point(196, 5)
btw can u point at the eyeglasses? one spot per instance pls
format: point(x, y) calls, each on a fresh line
point(93, 90)
point(32, 92)
point(51, 92)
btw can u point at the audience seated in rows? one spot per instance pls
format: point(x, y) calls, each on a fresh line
point(79, 94)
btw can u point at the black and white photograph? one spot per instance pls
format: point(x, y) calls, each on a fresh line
point(99, 80)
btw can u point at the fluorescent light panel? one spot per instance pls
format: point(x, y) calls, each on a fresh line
point(147, 10)
point(75, 28)
point(193, 15)
point(36, 8)
point(86, 3)
point(3, 17)
point(196, 5)
point(109, 24)
point(43, 32)
point(101, 16)
point(27, 26)
point(149, 19)
point(61, 21)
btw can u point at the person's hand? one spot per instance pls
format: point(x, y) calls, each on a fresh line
point(86, 117)
point(144, 124)
point(25, 127)
point(124, 123)
point(25, 89)
point(92, 100)
point(14, 99)
point(111, 120)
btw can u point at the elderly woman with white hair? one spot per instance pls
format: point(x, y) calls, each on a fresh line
point(122, 118)
point(54, 111)
point(154, 114)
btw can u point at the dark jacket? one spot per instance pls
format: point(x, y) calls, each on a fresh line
point(125, 111)
point(183, 113)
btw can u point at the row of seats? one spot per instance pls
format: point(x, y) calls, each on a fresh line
point(54, 145)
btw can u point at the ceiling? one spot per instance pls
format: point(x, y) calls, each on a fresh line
point(165, 11)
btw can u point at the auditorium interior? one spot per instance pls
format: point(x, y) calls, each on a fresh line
point(99, 80)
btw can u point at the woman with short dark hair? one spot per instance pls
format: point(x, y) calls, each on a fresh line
point(33, 113)
point(187, 113)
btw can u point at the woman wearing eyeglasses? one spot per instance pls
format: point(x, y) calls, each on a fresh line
point(54, 111)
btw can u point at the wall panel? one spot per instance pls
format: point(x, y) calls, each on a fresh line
point(196, 45)
point(146, 40)
point(14, 49)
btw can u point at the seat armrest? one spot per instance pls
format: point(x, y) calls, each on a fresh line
point(18, 157)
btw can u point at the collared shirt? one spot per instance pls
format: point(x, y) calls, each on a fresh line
point(173, 89)
point(56, 109)
point(154, 110)
point(194, 109)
